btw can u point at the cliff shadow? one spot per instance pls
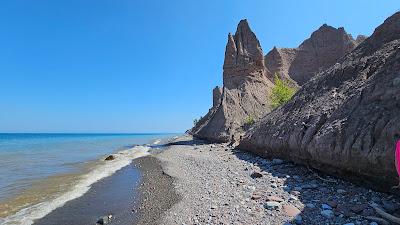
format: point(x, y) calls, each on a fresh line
point(315, 198)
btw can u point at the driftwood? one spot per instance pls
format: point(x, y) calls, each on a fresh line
point(377, 219)
point(384, 214)
point(319, 177)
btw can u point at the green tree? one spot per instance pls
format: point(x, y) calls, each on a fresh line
point(281, 93)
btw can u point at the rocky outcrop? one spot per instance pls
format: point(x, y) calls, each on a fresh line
point(323, 49)
point(346, 119)
point(245, 91)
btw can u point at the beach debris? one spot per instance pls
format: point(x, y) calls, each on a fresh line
point(104, 220)
point(255, 175)
point(377, 220)
point(290, 210)
point(274, 199)
point(109, 158)
point(358, 208)
point(272, 205)
point(327, 213)
point(384, 214)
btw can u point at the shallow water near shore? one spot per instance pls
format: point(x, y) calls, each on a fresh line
point(41, 172)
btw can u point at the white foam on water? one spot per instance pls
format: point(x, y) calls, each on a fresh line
point(156, 142)
point(28, 215)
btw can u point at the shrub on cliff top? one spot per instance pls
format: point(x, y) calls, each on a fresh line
point(281, 93)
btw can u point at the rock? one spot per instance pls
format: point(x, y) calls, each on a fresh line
point(244, 96)
point(104, 220)
point(358, 208)
point(373, 223)
point(290, 210)
point(326, 206)
point(349, 224)
point(296, 193)
point(256, 175)
point(255, 196)
point(298, 188)
point(341, 191)
point(277, 161)
point(293, 198)
point(332, 203)
point(327, 214)
point(310, 205)
point(298, 219)
point(368, 212)
point(396, 82)
point(309, 186)
point(273, 185)
point(350, 112)
point(274, 199)
point(109, 158)
point(272, 205)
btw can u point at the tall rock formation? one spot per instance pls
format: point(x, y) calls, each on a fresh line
point(346, 119)
point(245, 91)
point(323, 49)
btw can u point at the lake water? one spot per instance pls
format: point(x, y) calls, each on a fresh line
point(40, 172)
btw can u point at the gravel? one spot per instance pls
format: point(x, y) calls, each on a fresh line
point(216, 186)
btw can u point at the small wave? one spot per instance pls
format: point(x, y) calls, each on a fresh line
point(156, 142)
point(27, 215)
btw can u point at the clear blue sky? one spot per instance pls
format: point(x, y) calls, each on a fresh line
point(140, 66)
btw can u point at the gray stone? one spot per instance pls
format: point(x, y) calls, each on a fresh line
point(396, 81)
point(310, 205)
point(272, 205)
point(309, 186)
point(327, 214)
point(298, 219)
point(277, 161)
point(325, 206)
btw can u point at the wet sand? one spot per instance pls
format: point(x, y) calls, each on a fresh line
point(157, 191)
point(137, 194)
point(112, 195)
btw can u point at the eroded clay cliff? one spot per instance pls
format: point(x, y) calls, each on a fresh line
point(323, 49)
point(245, 91)
point(346, 119)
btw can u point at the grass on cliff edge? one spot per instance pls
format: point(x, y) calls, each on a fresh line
point(281, 93)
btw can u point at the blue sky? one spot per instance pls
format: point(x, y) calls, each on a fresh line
point(140, 66)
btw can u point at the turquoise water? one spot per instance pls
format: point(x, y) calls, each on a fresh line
point(26, 159)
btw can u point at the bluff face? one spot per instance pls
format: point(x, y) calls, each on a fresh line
point(323, 49)
point(245, 91)
point(248, 77)
point(346, 119)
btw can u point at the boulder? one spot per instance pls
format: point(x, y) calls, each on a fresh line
point(109, 158)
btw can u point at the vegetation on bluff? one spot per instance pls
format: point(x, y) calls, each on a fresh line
point(281, 93)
